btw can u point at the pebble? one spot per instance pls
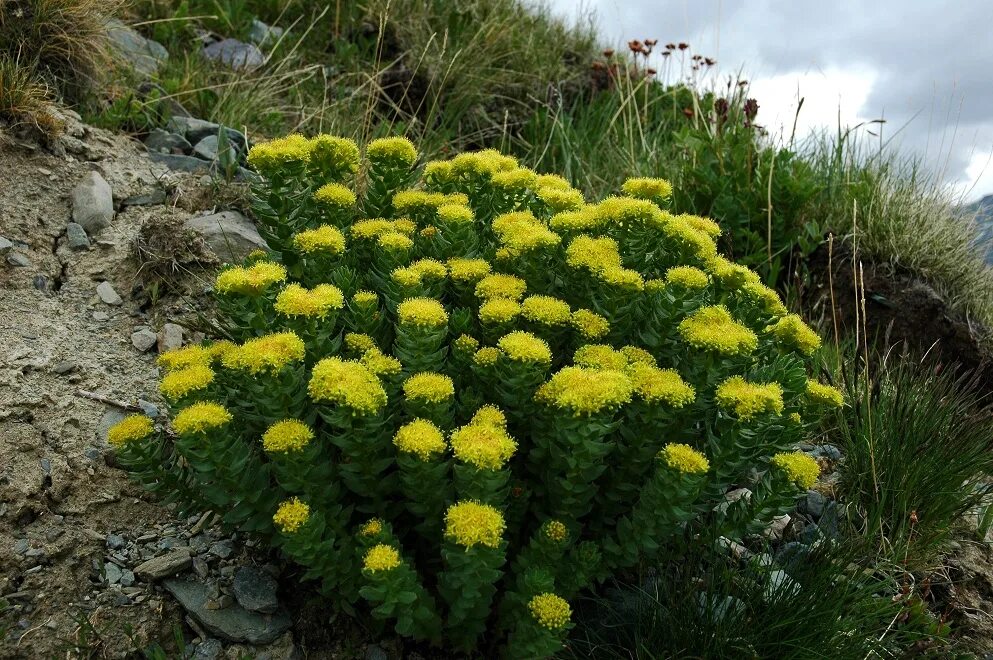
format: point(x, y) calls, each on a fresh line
point(164, 566)
point(18, 260)
point(112, 572)
point(223, 548)
point(261, 33)
point(161, 141)
point(6, 245)
point(157, 196)
point(170, 337)
point(233, 623)
point(108, 295)
point(236, 54)
point(92, 203)
point(375, 652)
point(127, 578)
point(209, 649)
point(148, 408)
point(63, 367)
point(21, 546)
point(201, 568)
point(776, 528)
point(115, 541)
point(93, 453)
point(143, 339)
point(814, 503)
point(40, 282)
point(76, 237)
point(101, 316)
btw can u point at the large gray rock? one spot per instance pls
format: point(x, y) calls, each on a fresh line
point(181, 163)
point(166, 142)
point(235, 54)
point(229, 234)
point(255, 590)
point(144, 55)
point(92, 203)
point(165, 566)
point(233, 623)
point(195, 130)
point(207, 149)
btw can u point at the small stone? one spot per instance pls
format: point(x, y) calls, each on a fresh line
point(40, 282)
point(777, 526)
point(76, 237)
point(262, 34)
point(780, 586)
point(21, 546)
point(18, 260)
point(144, 339)
point(160, 141)
point(112, 572)
point(127, 578)
point(63, 367)
point(101, 316)
point(201, 568)
point(223, 548)
point(108, 295)
point(206, 148)
point(164, 566)
point(110, 417)
point(219, 603)
point(148, 408)
point(92, 453)
point(115, 541)
point(6, 245)
point(209, 649)
point(235, 54)
point(92, 203)
point(255, 590)
point(143, 55)
point(375, 652)
point(157, 196)
point(814, 503)
point(170, 337)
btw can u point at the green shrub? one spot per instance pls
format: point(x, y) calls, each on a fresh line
point(465, 402)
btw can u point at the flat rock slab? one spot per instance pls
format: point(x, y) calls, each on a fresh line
point(164, 566)
point(233, 623)
point(235, 54)
point(255, 590)
point(180, 163)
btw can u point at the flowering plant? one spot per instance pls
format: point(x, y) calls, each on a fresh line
point(463, 394)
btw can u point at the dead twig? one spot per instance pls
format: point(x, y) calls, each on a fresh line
point(107, 400)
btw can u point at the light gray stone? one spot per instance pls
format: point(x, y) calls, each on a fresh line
point(76, 237)
point(170, 337)
point(209, 649)
point(92, 203)
point(777, 526)
point(6, 245)
point(814, 503)
point(255, 590)
point(161, 141)
point(233, 623)
point(144, 339)
point(236, 54)
point(112, 572)
point(18, 260)
point(180, 163)
point(148, 408)
point(165, 566)
point(107, 294)
point(127, 578)
point(262, 34)
point(101, 316)
point(144, 55)
point(229, 234)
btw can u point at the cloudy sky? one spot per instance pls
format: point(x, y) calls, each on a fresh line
point(924, 66)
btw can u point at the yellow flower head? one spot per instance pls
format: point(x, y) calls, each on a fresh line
point(427, 387)
point(371, 228)
point(798, 467)
point(330, 152)
point(584, 391)
point(269, 157)
point(550, 611)
point(465, 344)
point(749, 399)
point(730, 275)
point(381, 557)
point(521, 232)
point(624, 278)
point(600, 356)
point(824, 395)
point(365, 298)
point(593, 254)
point(486, 356)
point(705, 225)
point(555, 181)
point(406, 277)
point(689, 238)
point(422, 313)
point(372, 527)
point(794, 333)
point(628, 212)
point(657, 190)
point(558, 200)
point(417, 201)
point(499, 285)
point(499, 310)
point(250, 281)
point(767, 299)
point(294, 300)
point(482, 163)
point(429, 231)
point(335, 195)
point(324, 239)
point(394, 241)
point(348, 384)
point(524, 347)
point(546, 310)
point(489, 415)
point(187, 356)
point(130, 429)
point(485, 446)
point(687, 277)
point(270, 353)
point(455, 214)
point(358, 342)
point(590, 325)
point(513, 180)
point(584, 218)
point(472, 523)
point(656, 385)
point(380, 364)
point(712, 329)
point(392, 152)
point(286, 436)
point(421, 438)
point(177, 384)
point(684, 458)
point(438, 172)
point(636, 355)
point(555, 530)
point(200, 418)
point(467, 270)
point(291, 515)
point(429, 269)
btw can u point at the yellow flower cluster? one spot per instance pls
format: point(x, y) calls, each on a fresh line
point(799, 468)
point(486, 162)
point(335, 194)
point(266, 354)
point(455, 214)
point(499, 310)
point(794, 333)
point(518, 179)
point(380, 364)
point(524, 347)
point(291, 515)
point(730, 275)
point(371, 229)
point(392, 151)
point(482, 443)
point(200, 418)
point(686, 234)
point(767, 299)
point(467, 270)
point(294, 300)
point(429, 269)
point(286, 436)
point(422, 313)
point(177, 384)
point(705, 225)
point(630, 212)
point(550, 611)
point(824, 395)
point(648, 188)
point(590, 325)
point(521, 232)
point(713, 329)
point(372, 527)
point(187, 356)
point(600, 356)
point(427, 387)
point(486, 356)
point(500, 285)
point(358, 342)
point(381, 557)
point(749, 399)
point(582, 219)
point(421, 438)
point(332, 152)
point(267, 157)
point(347, 383)
point(365, 298)
point(584, 391)
point(489, 415)
point(395, 241)
point(465, 344)
point(593, 254)
point(656, 385)
point(684, 458)
point(546, 310)
point(420, 201)
point(130, 429)
point(472, 523)
point(637, 355)
point(555, 530)
point(250, 281)
point(561, 200)
point(687, 277)
point(323, 239)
